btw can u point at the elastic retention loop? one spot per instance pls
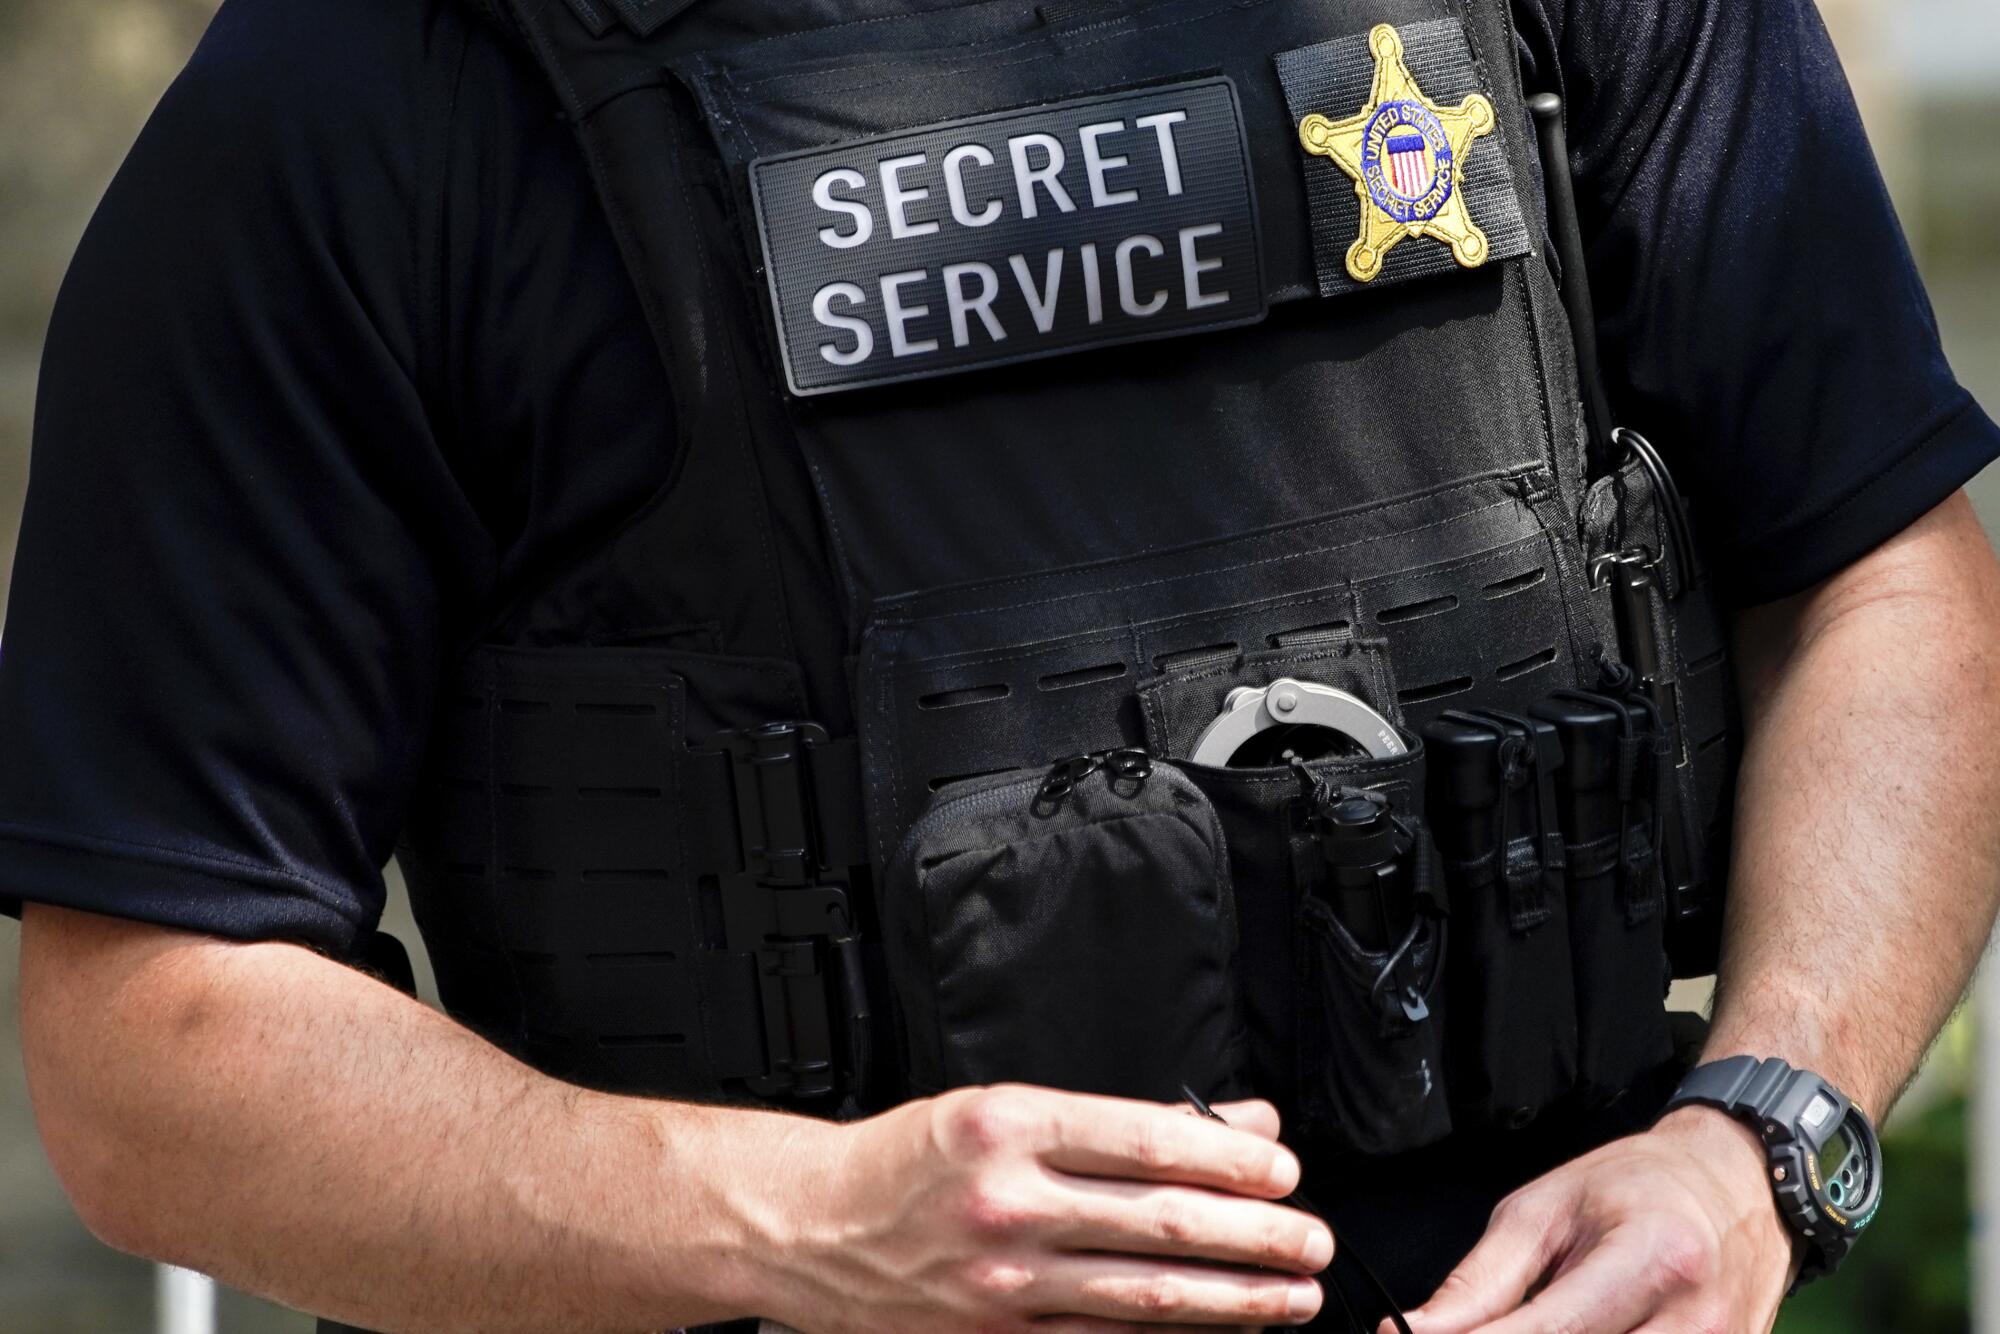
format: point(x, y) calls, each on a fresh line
point(1680, 533)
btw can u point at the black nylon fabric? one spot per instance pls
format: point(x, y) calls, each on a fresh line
point(1310, 411)
point(1017, 574)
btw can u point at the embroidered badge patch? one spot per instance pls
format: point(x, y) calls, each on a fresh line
point(1403, 151)
point(1401, 147)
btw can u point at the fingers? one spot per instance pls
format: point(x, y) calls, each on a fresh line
point(1142, 1141)
point(1150, 1293)
point(1608, 1289)
point(1522, 1241)
point(1084, 1324)
point(1185, 1222)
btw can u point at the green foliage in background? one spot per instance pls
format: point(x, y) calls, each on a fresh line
point(1912, 1272)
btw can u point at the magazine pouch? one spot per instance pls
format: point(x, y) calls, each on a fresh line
point(1514, 1025)
point(1607, 790)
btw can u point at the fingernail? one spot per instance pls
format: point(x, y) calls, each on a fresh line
point(1319, 1249)
point(1284, 1172)
point(1303, 1301)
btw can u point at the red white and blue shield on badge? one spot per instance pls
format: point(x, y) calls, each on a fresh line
point(1406, 162)
point(1410, 169)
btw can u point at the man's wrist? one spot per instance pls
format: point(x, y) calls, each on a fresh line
point(1728, 1145)
point(768, 1176)
point(1732, 1154)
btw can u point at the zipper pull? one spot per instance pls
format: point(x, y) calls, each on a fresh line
point(1127, 763)
point(1063, 777)
point(1124, 764)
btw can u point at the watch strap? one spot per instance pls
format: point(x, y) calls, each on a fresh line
point(1743, 1086)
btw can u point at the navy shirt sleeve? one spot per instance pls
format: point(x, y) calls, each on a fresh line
point(1762, 320)
point(241, 539)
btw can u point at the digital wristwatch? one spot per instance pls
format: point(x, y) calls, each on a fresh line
point(1825, 1161)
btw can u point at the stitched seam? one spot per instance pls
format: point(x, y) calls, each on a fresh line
point(973, 657)
point(237, 870)
point(859, 23)
point(1490, 554)
point(837, 541)
point(1230, 569)
point(1283, 530)
point(1040, 37)
point(1083, 638)
point(1803, 516)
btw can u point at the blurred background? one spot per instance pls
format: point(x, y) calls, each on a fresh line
point(76, 82)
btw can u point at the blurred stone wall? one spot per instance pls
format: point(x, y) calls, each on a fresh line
point(76, 82)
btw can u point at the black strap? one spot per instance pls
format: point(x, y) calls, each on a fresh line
point(1740, 1085)
point(777, 812)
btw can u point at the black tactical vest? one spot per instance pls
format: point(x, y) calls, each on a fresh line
point(1043, 373)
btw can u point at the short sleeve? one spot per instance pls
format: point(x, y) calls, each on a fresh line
point(1761, 316)
point(241, 546)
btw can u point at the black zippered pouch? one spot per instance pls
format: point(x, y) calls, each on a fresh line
point(1073, 928)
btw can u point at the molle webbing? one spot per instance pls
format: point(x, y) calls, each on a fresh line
point(591, 885)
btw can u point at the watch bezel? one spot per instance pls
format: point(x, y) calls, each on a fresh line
point(1792, 1149)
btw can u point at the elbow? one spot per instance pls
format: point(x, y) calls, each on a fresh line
point(103, 1199)
point(85, 1048)
point(90, 1156)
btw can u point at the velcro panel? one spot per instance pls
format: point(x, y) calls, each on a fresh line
point(550, 871)
point(593, 896)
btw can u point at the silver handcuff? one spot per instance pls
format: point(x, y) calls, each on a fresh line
point(1249, 712)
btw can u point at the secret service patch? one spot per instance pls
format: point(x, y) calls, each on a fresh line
point(1102, 219)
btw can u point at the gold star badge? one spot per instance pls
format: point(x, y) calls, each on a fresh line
point(1407, 157)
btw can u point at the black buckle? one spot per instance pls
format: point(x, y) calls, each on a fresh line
point(786, 909)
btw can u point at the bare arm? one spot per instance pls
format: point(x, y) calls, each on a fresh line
point(304, 1132)
point(1866, 873)
point(1868, 834)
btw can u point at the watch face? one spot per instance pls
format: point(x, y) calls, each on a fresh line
point(1845, 1167)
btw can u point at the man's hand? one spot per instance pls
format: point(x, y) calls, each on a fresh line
point(1673, 1231)
point(307, 1133)
point(1019, 1208)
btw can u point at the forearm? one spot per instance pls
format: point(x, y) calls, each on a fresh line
point(305, 1132)
point(1867, 856)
